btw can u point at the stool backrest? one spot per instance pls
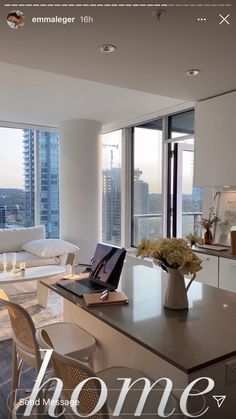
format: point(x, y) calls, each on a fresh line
point(72, 372)
point(3, 295)
point(23, 328)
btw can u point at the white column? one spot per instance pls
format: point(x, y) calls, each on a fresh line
point(80, 152)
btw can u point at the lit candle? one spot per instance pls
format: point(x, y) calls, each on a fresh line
point(14, 260)
point(22, 266)
point(4, 261)
point(71, 271)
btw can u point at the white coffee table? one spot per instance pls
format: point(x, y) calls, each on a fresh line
point(35, 274)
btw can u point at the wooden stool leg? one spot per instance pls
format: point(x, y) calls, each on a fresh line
point(16, 370)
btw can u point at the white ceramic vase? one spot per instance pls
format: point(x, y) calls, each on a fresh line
point(176, 297)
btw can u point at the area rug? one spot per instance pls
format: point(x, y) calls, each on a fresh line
point(41, 316)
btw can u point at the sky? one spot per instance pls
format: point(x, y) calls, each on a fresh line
point(148, 157)
point(111, 149)
point(11, 158)
point(147, 153)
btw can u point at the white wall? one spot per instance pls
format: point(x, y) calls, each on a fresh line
point(215, 141)
point(79, 184)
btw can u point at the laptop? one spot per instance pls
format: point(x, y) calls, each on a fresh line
point(105, 271)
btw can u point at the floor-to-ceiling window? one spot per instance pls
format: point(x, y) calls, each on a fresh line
point(185, 198)
point(49, 181)
point(111, 193)
point(29, 183)
point(147, 181)
point(12, 179)
point(162, 172)
point(162, 199)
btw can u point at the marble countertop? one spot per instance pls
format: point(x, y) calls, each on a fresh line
point(189, 339)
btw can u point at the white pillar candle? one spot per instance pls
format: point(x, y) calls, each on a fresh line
point(14, 259)
point(71, 270)
point(4, 261)
point(22, 266)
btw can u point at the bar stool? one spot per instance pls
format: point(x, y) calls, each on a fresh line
point(73, 373)
point(68, 339)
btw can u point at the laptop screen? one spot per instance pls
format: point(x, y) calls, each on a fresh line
point(107, 263)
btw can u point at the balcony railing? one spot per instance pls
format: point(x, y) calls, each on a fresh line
point(150, 225)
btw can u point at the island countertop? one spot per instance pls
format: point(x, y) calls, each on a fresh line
point(188, 339)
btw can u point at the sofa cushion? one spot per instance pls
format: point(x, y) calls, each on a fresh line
point(11, 240)
point(47, 248)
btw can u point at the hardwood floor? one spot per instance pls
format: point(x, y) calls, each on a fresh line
point(27, 379)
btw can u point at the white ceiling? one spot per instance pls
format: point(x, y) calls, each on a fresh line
point(151, 59)
point(37, 97)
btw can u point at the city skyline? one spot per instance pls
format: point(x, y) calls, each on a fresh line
point(18, 194)
point(147, 209)
point(12, 163)
point(19, 209)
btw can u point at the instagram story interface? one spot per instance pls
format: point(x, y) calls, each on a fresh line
point(117, 125)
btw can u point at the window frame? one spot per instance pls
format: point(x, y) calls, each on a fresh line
point(37, 177)
point(174, 227)
point(170, 210)
point(163, 177)
point(122, 156)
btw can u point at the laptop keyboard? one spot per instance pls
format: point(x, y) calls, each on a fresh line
point(91, 285)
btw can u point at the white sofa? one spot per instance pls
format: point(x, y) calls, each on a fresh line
point(14, 240)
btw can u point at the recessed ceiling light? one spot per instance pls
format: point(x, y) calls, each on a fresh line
point(159, 14)
point(192, 72)
point(107, 48)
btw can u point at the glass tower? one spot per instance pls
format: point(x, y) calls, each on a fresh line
point(48, 171)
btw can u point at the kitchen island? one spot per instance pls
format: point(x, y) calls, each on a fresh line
point(182, 345)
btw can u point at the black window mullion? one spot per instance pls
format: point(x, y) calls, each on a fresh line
point(175, 191)
point(169, 200)
point(172, 175)
point(132, 186)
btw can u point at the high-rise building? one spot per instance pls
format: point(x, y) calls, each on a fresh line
point(2, 216)
point(12, 208)
point(28, 142)
point(112, 205)
point(140, 194)
point(47, 145)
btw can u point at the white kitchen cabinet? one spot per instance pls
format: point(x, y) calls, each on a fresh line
point(215, 145)
point(227, 274)
point(209, 272)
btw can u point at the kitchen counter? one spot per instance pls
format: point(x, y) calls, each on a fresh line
point(222, 253)
point(190, 339)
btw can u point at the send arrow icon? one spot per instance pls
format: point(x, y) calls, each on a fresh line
point(219, 400)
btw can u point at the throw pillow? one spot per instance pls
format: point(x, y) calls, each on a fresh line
point(49, 248)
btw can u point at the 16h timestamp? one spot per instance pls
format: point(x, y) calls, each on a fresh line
point(86, 19)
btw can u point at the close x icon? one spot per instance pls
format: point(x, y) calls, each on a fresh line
point(224, 19)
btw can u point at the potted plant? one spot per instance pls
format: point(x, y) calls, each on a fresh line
point(193, 239)
point(207, 223)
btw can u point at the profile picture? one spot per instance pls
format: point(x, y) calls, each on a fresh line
point(15, 19)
